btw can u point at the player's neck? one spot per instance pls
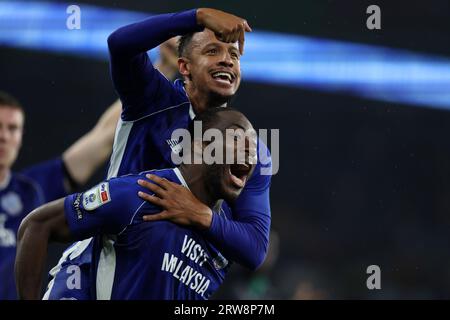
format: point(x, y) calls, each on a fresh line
point(195, 180)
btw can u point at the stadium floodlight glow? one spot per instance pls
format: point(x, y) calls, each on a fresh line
point(368, 71)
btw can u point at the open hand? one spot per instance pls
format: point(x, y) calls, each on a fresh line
point(178, 203)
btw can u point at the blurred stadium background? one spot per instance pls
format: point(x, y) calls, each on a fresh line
point(364, 119)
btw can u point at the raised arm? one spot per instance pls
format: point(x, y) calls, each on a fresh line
point(245, 237)
point(65, 174)
point(43, 224)
point(136, 39)
point(135, 79)
point(106, 208)
point(167, 62)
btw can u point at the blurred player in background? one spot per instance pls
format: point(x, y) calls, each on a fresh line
point(21, 192)
point(159, 260)
point(167, 63)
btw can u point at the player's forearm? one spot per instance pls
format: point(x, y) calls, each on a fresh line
point(245, 238)
point(89, 152)
point(108, 120)
point(30, 259)
point(140, 37)
point(85, 156)
point(44, 224)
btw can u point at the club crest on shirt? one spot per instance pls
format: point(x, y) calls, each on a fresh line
point(174, 145)
point(11, 203)
point(96, 197)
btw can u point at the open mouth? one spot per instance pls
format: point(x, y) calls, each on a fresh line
point(223, 76)
point(239, 174)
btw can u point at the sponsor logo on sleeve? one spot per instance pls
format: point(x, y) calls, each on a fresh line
point(96, 197)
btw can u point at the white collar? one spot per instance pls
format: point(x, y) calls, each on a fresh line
point(180, 177)
point(191, 112)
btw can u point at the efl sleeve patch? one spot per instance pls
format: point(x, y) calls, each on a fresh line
point(96, 197)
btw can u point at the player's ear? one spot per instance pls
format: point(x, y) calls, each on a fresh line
point(184, 66)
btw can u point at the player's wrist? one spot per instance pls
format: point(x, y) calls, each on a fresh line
point(205, 218)
point(200, 15)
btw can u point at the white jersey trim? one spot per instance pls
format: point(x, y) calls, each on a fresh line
point(156, 112)
point(191, 112)
point(132, 218)
point(71, 253)
point(180, 177)
point(106, 270)
point(120, 142)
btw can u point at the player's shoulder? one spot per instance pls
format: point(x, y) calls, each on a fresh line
point(173, 104)
point(23, 183)
point(24, 186)
point(169, 174)
point(177, 99)
point(170, 99)
point(178, 85)
point(129, 181)
point(118, 193)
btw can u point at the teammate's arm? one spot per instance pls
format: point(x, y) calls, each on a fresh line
point(134, 77)
point(104, 209)
point(63, 175)
point(226, 27)
point(36, 230)
point(167, 62)
point(244, 239)
point(179, 204)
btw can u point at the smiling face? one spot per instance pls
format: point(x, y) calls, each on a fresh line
point(211, 66)
point(227, 180)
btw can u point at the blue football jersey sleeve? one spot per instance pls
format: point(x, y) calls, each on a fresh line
point(250, 226)
point(107, 208)
point(49, 175)
point(141, 88)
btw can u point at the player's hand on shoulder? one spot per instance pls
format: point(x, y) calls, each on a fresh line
point(178, 204)
point(227, 27)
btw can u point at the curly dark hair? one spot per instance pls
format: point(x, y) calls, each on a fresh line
point(183, 44)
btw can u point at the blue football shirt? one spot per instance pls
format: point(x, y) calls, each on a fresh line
point(152, 260)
